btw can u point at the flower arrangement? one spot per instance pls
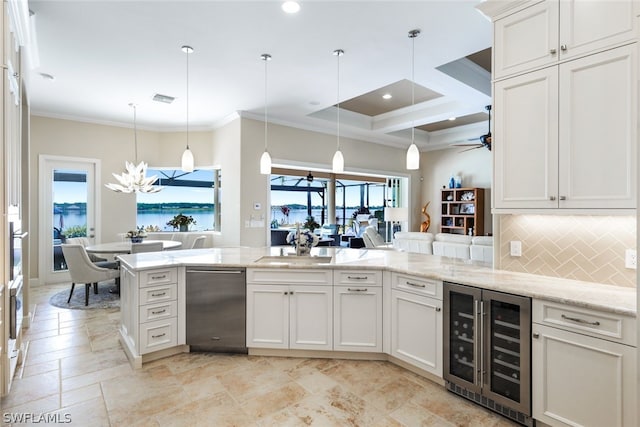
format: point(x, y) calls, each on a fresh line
point(285, 211)
point(311, 223)
point(181, 221)
point(304, 244)
point(136, 235)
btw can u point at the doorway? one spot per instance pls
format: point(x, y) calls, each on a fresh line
point(69, 206)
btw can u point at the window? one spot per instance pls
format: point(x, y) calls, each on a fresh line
point(193, 194)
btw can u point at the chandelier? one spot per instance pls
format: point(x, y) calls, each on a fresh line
point(134, 179)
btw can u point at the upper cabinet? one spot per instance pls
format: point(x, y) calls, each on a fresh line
point(566, 136)
point(552, 31)
point(565, 100)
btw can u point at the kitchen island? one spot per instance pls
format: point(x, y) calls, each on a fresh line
point(388, 305)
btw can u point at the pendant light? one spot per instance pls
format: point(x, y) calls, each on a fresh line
point(134, 179)
point(265, 160)
point(413, 155)
point(338, 158)
point(187, 156)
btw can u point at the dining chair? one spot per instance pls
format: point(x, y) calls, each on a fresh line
point(94, 258)
point(198, 242)
point(137, 248)
point(83, 270)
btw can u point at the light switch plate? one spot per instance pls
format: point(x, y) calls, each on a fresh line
point(630, 259)
point(515, 247)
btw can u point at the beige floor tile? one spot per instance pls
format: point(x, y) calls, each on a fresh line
point(91, 361)
point(35, 357)
point(36, 406)
point(273, 400)
point(91, 412)
point(81, 394)
point(247, 382)
point(84, 380)
point(411, 414)
point(40, 368)
point(392, 395)
point(58, 342)
point(218, 409)
point(24, 390)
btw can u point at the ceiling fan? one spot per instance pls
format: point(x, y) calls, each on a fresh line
point(485, 140)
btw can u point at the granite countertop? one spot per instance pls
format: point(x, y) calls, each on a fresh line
point(614, 299)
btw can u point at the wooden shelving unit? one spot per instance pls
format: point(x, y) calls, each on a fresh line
point(462, 209)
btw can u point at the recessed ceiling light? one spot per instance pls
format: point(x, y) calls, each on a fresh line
point(291, 6)
point(47, 76)
point(387, 96)
point(451, 119)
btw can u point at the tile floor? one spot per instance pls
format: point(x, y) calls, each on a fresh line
point(76, 370)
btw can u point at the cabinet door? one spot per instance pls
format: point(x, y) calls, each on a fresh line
point(580, 380)
point(416, 330)
point(525, 142)
point(267, 316)
point(311, 317)
point(589, 26)
point(525, 40)
point(129, 306)
point(357, 322)
point(598, 130)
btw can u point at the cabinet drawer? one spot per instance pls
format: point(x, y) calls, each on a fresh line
point(357, 277)
point(417, 285)
point(585, 321)
point(152, 312)
point(158, 335)
point(158, 277)
point(158, 294)
point(289, 276)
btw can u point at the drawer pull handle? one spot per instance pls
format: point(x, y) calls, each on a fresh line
point(552, 51)
point(357, 277)
point(158, 336)
point(159, 311)
point(578, 320)
point(161, 294)
point(536, 335)
point(357, 289)
point(416, 285)
point(164, 276)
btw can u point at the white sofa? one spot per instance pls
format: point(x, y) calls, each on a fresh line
point(478, 248)
point(413, 241)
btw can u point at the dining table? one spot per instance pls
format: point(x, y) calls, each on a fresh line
point(124, 247)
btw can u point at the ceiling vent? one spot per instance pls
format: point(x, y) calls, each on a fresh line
point(163, 98)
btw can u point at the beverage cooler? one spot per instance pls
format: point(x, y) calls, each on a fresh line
point(487, 349)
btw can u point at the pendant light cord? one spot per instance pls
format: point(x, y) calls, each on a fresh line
point(188, 53)
point(265, 57)
point(135, 134)
point(413, 34)
point(338, 53)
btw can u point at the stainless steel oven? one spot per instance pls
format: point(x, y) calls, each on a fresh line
point(487, 349)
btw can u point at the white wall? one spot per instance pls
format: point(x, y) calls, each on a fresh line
point(292, 146)
point(474, 166)
point(113, 146)
point(226, 154)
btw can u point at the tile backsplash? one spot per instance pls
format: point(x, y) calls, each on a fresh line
point(587, 248)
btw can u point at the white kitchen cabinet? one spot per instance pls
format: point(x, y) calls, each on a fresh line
point(290, 309)
point(150, 314)
point(552, 31)
point(579, 378)
point(416, 324)
point(357, 305)
point(565, 136)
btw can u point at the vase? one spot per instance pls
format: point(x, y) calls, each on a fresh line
point(184, 227)
point(136, 239)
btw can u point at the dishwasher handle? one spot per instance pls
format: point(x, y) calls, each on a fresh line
point(216, 271)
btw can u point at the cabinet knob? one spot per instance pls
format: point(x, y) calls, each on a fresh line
point(552, 198)
point(536, 335)
point(552, 51)
point(286, 293)
point(563, 47)
point(563, 197)
point(438, 309)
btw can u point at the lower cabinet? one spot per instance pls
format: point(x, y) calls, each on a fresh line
point(284, 316)
point(416, 322)
point(149, 314)
point(357, 320)
point(582, 380)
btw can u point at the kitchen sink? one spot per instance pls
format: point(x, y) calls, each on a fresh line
point(294, 259)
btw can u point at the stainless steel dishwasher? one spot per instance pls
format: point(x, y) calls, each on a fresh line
point(216, 309)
